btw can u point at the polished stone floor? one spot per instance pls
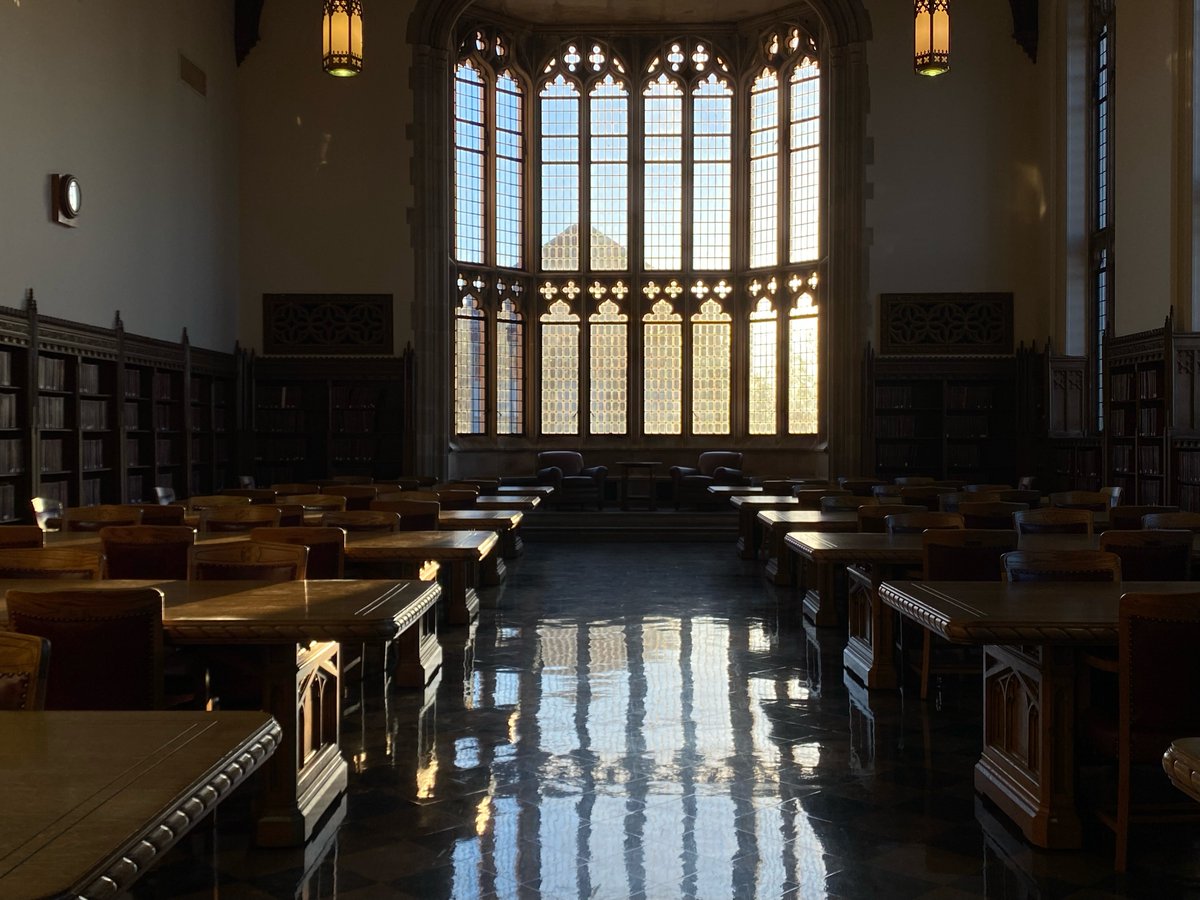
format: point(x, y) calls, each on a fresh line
point(653, 720)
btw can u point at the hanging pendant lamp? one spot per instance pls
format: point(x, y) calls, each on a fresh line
point(342, 37)
point(931, 49)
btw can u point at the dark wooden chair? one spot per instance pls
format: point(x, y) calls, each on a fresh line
point(915, 480)
point(291, 515)
point(1159, 700)
point(147, 551)
point(290, 488)
point(357, 496)
point(989, 513)
point(926, 495)
point(326, 547)
point(93, 518)
point(363, 520)
point(873, 519)
point(21, 536)
point(212, 501)
point(811, 498)
point(1062, 565)
point(415, 515)
point(1129, 518)
point(164, 495)
point(348, 479)
point(986, 488)
point(24, 670)
point(238, 518)
point(950, 501)
point(778, 487)
point(1151, 554)
point(1021, 495)
point(690, 484)
point(1114, 494)
point(846, 502)
point(1053, 521)
point(1096, 501)
point(107, 645)
point(159, 514)
point(51, 562)
point(916, 522)
point(1177, 520)
point(858, 485)
point(458, 498)
point(321, 503)
point(247, 561)
point(254, 495)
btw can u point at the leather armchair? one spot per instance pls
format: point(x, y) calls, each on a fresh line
point(714, 467)
point(565, 472)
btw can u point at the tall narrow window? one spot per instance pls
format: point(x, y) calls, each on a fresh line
point(1102, 230)
point(712, 173)
point(802, 361)
point(510, 369)
point(608, 333)
point(663, 148)
point(662, 330)
point(804, 148)
point(764, 351)
point(764, 169)
point(469, 163)
point(610, 175)
point(560, 366)
point(560, 175)
point(470, 358)
point(712, 348)
point(510, 172)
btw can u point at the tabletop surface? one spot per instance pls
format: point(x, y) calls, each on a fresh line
point(741, 500)
point(805, 516)
point(734, 489)
point(520, 489)
point(455, 517)
point(868, 546)
point(424, 544)
point(81, 789)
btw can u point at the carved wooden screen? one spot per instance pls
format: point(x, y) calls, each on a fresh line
point(327, 324)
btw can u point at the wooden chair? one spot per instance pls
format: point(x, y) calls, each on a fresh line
point(213, 501)
point(810, 498)
point(363, 520)
point(107, 644)
point(1053, 521)
point(349, 479)
point(1159, 700)
point(985, 488)
point(357, 496)
point(1114, 494)
point(93, 518)
point(326, 547)
point(458, 498)
point(427, 496)
point(1095, 501)
point(925, 494)
point(859, 486)
point(1129, 518)
point(156, 514)
point(147, 551)
point(291, 515)
point(1062, 565)
point(915, 480)
point(886, 493)
point(1151, 555)
point(254, 495)
point(47, 513)
point(51, 562)
point(24, 669)
point(990, 513)
point(873, 519)
point(321, 503)
point(247, 561)
point(415, 515)
point(238, 518)
point(164, 495)
point(916, 522)
point(1021, 495)
point(958, 555)
point(288, 489)
point(950, 502)
point(848, 502)
point(1186, 520)
point(21, 536)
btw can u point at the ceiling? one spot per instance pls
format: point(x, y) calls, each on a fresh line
point(631, 12)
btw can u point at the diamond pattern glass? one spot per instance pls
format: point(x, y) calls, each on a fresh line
point(510, 369)
point(608, 330)
point(712, 349)
point(470, 373)
point(662, 384)
point(560, 370)
point(763, 368)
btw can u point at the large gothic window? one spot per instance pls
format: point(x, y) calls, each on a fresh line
point(621, 262)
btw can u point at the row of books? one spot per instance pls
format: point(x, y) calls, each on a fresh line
point(894, 396)
point(970, 396)
point(348, 397)
point(282, 449)
point(895, 426)
point(52, 373)
point(279, 396)
point(1188, 468)
point(52, 412)
point(1147, 382)
point(354, 450)
point(12, 457)
point(52, 455)
point(164, 385)
point(93, 415)
point(165, 448)
point(92, 492)
point(968, 426)
point(280, 419)
point(5, 367)
point(89, 378)
point(1150, 460)
point(362, 419)
point(91, 455)
point(903, 456)
point(963, 456)
point(8, 501)
point(8, 410)
point(166, 417)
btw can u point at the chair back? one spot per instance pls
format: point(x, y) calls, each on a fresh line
point(154, 514)
point(915, 480)
point(1151, 555)
point(363, 520)
point(985, 488)
point(21, 536)
point(238, 518)
point(990, 513)
point(458, 498)
point(247, 561)
point(415, 515)
point(1021, 495)
point(212, 501)
point(348, 479)
point(51, 562)
point(859, 486)
point(569, 461)
point(1129, 518)
point(47, 513)
point(1053, 521)
point(778, 487)
point(916, 522)
point(845, 502)
point(810, 498)
point(1186, 520)
point(93, 518)
point(1091, 500)
point(322, 503)
point(326, 547)
point(291, 515)
point(402, 484)
point(873, 519)
point(426, 496)
point(950, 502)
point(1062, 565)
point(107, 643)
point(147, 551)
point(24, 669)
point(926, 495)
point(254, 495)
point(288, 488)
point(965, 554)
point(164, 495)
point(1114, 493)
point(357, 496)
point(711, 460)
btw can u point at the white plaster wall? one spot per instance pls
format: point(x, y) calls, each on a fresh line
point(1145, 42)
point(962, 179)
point(325, 183)
point(93, 88)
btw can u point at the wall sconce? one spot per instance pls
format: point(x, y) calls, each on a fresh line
point(931, 49)
point(342, 37)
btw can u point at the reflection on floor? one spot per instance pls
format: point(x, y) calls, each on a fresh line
point(641, 720)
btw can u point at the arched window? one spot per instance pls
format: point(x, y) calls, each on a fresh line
point(674, 279)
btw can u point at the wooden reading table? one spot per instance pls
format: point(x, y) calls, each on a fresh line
point(1031, 633)
point(286, 634)
point(92, 799)
point(776, 523)
point(748, 507)
point(523, 502)
point(729, 491)
point(505, 522)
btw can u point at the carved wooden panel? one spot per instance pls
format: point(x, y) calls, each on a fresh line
point(970, 324)
point(327, 324)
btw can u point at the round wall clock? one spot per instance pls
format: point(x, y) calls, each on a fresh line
point(67, 197)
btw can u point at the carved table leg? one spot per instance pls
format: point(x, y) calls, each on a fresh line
point(868, 653)
point(780, 560)
point(492, 567)
point(458, 591)
point(820, 603)
point(419, 653)
point(511, 544)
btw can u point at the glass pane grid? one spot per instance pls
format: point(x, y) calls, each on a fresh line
point(662, 374)
point(470, 379)
point(469, 164)
point(803, 374)
point(805, 153)
point(663, 191)
point(712, 175)
point(610, 176)
point(764, 170)
point(609, 370)
point(763, 369)
point(510, 370)
point(712, 350)
point(560, 176)
point(510, 206)
point(560, 370)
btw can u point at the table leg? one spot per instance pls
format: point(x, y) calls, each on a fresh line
point(868, 653)
point(820, 602)
point(511, 545)
point(462, 601)
point(418, 652)
point(746, 547)
point(780, 569)
point(1028, 763)
point(492, 569)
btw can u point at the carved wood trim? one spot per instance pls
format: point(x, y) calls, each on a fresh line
point(961, 324)
point(328, 324)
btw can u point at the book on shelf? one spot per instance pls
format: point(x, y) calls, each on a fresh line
point(165, 451)
point(280, 419)
point(279, 396)
point(166, 417)
point(89, 378)
point(12, 460)
point(55, 490)
point(8, 501)
point(5, 368)
point(133, 383)
point(135, 488)
point(92, 492)
point(8, 410)
point(93, 415)
point(163, 386)
point(132, 415)
point(52, 412)
point(52, 455)
point(970, 396)
point(52, 373)
point(133, 452)
point(92, 452)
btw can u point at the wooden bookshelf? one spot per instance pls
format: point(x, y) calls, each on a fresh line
point(1137, 414)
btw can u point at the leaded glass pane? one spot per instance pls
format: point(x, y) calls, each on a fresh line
point(764, 169)
point(469, 163)
point(712, 185)
point(712, 349)
point(805, 153)
point(510, 369)
point(662, 375)
point(510, 165)
point(609, 328)
point(663, 149)
point(560, 175)
point(560, 370)
point(763, 367)
point(610, 175)
point(802, 366)
point(470, 358)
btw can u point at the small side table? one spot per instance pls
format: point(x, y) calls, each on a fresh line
point(627, 469)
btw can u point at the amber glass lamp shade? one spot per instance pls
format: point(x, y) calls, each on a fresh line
point(342, 37)
point(931, 48)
